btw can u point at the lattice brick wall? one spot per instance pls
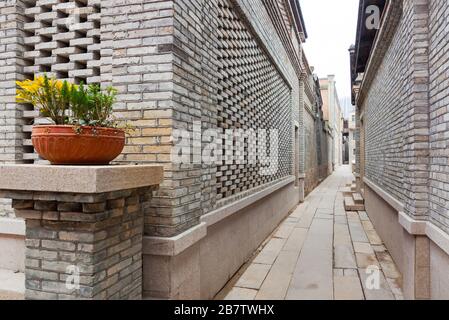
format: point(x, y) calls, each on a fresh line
point(62, 39)
point(252, 95)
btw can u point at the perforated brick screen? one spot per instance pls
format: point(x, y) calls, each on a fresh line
point(252, 95)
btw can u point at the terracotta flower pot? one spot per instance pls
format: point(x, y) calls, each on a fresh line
point(77, 145)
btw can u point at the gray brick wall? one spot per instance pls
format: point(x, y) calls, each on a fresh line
point(439, 113)
point(406, 115)
point(165, 58)
point(12, 121)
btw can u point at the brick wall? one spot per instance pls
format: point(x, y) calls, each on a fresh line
point(439, 113)
point(12, 138)
point(384, 109)
point(406, 116)
point(167, 60)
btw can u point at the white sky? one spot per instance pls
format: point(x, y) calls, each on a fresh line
point(331, 27)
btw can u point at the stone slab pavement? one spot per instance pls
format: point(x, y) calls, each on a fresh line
point(320, 252)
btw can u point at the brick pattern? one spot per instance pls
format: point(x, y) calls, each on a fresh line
point(406, 113)
point(439, 113)
point(12, 138)
point(163, 58)
point(384, 118)
point(62, 39)
point(252, 95)
point(100, 235)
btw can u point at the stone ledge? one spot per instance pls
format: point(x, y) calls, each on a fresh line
point(78, 179)
point(228, 210)
point(173, 246)
point(393, 202)
point(11, 226)
point(413, 226)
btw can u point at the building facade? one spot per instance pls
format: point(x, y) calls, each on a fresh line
point(351, 139)
point(400, 79)
point(190, 75)
point(334, 117)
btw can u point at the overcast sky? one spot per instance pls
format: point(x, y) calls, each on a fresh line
point(331, 26)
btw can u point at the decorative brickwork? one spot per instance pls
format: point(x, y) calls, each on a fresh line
point(439, 113)
point(172, 69)
point(98, 237)
point(252, 95)
point(404, 110)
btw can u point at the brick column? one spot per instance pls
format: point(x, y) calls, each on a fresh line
point(84, 244)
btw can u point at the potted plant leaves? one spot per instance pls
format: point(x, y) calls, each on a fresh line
point(83, 130)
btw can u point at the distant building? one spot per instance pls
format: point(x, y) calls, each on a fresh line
point(333, 115)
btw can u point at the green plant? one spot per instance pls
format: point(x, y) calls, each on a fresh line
point(67, 103)
point(51, 96)
point(93, 107)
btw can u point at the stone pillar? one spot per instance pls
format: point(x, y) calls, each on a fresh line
point(84, 228)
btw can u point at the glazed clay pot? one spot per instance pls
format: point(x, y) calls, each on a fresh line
point(70, 145)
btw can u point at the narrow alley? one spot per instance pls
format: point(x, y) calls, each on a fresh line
point(319, 252)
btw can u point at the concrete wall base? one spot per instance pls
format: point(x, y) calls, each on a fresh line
point(12, 244)
point(424, 264)
point(204, 267)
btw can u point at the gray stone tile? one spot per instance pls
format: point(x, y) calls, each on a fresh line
point(278, 279)
point(241, 294)
point(317, 256)
point(253, 276)
point(270, 252)
point(348, 288)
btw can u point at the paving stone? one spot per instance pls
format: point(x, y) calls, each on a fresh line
point(341, 220)
point(367, 225)
point(306, 219)
point(379, 248)
point(241, 294)
point(373, 237)
point(363, 216)
point(278, 279)
point(253, 276)
point(285, 230)
point(348, 288)
point(270, 252)
point(352, 215)
point(338, 273)
point(363, 247)
point(317, 256)
point(357, 232)
point(343, 251)
point(296, 240)
point(351, 273)
point(366, 260)
point(387, 265)
point(383, 292)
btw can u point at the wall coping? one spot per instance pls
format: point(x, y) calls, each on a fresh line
point(222, 213)
point(78, 179)
point(173, 246)
point(12, 226)
point(413, 226)
point(392, 201)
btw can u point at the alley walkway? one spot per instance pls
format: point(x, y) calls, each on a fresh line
point(320, 252)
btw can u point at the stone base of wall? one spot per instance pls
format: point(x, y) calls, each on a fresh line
point(199, 263)
point(422, 262)
point(12, 244)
